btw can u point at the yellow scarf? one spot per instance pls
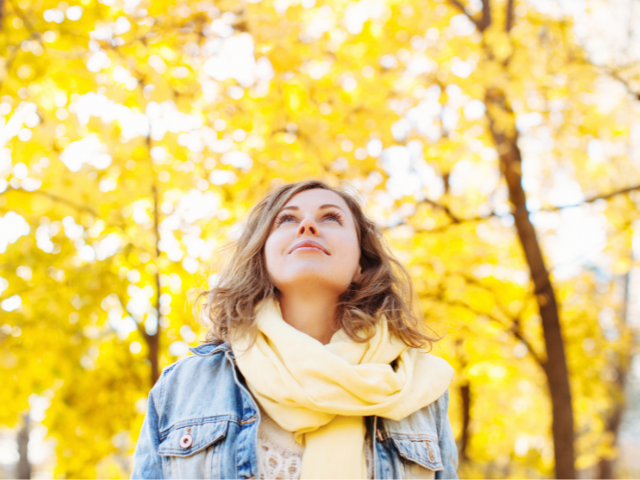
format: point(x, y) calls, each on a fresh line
point(322, 392)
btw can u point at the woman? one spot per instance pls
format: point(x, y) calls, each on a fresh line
point(316, 364)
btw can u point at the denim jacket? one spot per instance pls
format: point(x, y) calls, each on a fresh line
point(205, 396)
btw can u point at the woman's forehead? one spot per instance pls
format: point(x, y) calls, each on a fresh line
point(316, 198)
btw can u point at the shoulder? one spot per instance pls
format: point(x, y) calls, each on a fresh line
point(202, 384)
point(207, 360)
point(205, 355)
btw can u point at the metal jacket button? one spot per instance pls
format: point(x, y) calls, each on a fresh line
point(186, 441)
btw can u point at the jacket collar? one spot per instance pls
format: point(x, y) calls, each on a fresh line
point(208, 349)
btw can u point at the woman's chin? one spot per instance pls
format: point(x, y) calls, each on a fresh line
point(316, 279)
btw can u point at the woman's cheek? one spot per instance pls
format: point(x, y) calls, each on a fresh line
point(270, 254)
point(348, 259)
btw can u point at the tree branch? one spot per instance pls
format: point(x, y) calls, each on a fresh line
point(485, 22)
point(444, 208)
point(509, 22)
point(141, 329)
point(460, 6)
point(57, 198)
point(605, 196)
point(455, 220)
point(27, 23)
point(481, 24)
point(518, 334)
point(615, 75)
point(514, 329)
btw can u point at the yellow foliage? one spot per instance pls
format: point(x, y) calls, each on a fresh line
point(136, 137)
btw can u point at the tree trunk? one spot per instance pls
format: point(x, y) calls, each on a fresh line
point(502, 126)
point(23, 468)
point(154, 340)
point(465, 394)
point(606, 464)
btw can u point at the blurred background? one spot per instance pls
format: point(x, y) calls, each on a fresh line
point(496, 142)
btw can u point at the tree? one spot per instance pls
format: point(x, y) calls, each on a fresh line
point(139, 134)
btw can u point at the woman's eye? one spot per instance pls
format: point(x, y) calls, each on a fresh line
point(284, 219)
point(334, 217)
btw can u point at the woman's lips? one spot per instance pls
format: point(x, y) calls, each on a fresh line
point(309, 246)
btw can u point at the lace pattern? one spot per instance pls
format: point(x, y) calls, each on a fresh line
point(280, 456)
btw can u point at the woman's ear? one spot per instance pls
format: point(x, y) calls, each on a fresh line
point(358, 275)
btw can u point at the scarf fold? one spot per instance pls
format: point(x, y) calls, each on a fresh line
point(322, 392)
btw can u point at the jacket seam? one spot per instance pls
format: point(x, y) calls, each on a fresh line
point(194, 449)
point(192, 422)
point(413, 437)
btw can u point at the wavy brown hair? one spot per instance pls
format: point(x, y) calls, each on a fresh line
point(384, 288)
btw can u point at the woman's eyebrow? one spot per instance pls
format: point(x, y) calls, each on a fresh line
point(326, 205)
point(330, 205)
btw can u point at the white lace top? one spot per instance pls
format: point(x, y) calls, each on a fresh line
point(280, 456)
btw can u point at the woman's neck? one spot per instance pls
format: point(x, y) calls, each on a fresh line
point(313, 314)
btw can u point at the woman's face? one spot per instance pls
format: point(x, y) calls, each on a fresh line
point(313, 244)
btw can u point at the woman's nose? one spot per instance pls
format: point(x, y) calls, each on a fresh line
point(307, 226)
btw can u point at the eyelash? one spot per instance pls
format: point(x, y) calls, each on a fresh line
point(335, 215)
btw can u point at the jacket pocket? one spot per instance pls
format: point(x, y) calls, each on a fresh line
point(418, 451)
point(188, 449)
